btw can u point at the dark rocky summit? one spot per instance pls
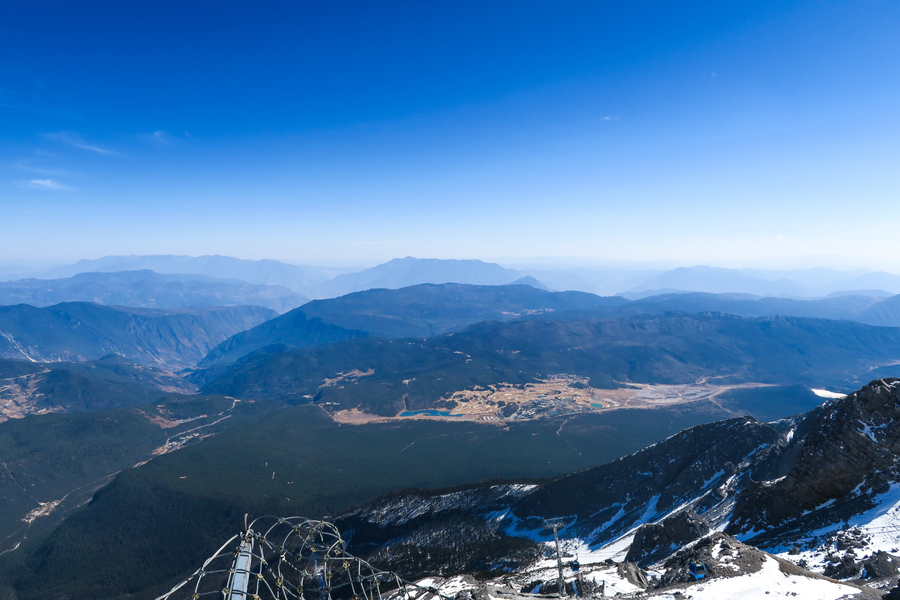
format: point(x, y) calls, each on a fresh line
point(849, 457)
point(655, 541)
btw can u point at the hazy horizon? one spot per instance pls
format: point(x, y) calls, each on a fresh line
point(835, 263)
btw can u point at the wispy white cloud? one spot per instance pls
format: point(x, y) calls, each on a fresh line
point(158, 137)
point(74, 139)
point(46, 184)
point(163, 138)
point(611, 118)
point(29, 167)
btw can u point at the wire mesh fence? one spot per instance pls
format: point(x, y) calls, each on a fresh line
point(292, 558)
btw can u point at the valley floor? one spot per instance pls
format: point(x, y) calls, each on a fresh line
point(555, 396)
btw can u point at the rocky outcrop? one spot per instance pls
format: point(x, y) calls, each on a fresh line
point(656, 541)
point(633, 574)
point(849, 455)
point(881, 565)
point(721, 556)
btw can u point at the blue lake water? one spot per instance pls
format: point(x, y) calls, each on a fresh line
point(430, 413)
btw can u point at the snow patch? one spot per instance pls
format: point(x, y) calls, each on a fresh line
point(822, 393)
point(870, 430)
point(714, 477)
point(769, 582)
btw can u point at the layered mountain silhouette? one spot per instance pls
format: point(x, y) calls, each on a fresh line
point(404, 272)
point(259, 272)
point(872, 310)
point(416, 311)
point(148, 289)
point(796, 283)
point(427, 310)
point(634, 282)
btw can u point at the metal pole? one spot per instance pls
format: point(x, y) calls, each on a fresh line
point(241, 576)
point(561, 583)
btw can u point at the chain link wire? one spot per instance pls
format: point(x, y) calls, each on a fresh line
point(293, 558)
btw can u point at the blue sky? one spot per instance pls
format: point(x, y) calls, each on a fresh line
point(699, 132)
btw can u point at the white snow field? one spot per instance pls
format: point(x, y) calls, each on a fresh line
point(767, 583)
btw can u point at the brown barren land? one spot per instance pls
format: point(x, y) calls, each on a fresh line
point(554, 396)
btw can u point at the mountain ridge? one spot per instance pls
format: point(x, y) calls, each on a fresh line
point(259, 272)
point(76, 331)
point(404, 272)
point(148, 289)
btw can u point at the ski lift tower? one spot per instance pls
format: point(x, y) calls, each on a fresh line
point(556, 525)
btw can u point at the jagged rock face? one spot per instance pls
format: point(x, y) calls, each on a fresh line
point(656, 541)
point(401, 513)
point(575, 588)
point(850, 454)
point(881, 565)
point(422, 533)
point(844, 567)
point(446, 545)
point(719, 553)
point(723, 557)
point(633, 574)
point(694, 466)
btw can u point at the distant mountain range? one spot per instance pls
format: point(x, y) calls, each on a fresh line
point(148, 289)
point(432, 309)
point(421, 311)
point(385, 351)
point(404, 272)
point(416, 311)
point(428, 310)
point(258, 272)
point(633, 283)
point(78, 331)
point(871, 310)
point(801, 283)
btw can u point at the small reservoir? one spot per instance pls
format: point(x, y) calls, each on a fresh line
point(428, 413)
